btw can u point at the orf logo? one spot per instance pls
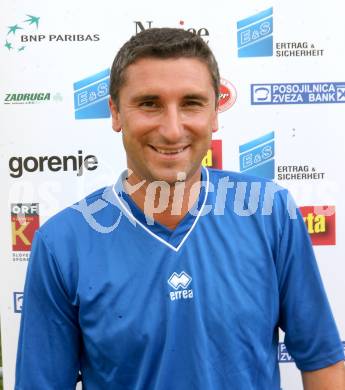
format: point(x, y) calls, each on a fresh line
point(320, 223)
point(254, 35)
point(227, 95)
point(25, 221)
point(181, 280)
point(213, 158)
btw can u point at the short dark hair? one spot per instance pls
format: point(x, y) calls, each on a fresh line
point(161, 43)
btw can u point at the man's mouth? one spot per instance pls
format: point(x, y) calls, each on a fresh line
point(168, 151)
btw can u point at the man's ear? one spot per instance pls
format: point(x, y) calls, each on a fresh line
point(115, 116)
point(215, 121)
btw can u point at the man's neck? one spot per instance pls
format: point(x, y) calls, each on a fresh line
point(167, 203)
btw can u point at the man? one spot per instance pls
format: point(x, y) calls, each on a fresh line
point(177, 277)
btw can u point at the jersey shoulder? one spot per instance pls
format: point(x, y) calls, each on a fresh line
point(217, 174)
point(91, 213)
point(261, 196)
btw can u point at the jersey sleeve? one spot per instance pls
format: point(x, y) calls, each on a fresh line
point(49, 340)
point(311, 336)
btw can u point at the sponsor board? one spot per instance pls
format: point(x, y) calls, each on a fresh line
point(285, 357)
point(297, 49)
point(254, 35)
point(227, 95)
point(257, 156)
point(27, 30)
point(255, 39)
point(283, 354)
point(24, 223)
point(202, 32)
point(299, 172)
point(32, 97)
point(91, 96)
point(320, 223)
point(18, 165)
point(18, 301)
point(298, 93)
point(214, 158)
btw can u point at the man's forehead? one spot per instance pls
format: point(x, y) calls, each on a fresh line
point(148, 62)
point(191, 70)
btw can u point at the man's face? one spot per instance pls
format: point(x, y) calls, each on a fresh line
point(167, 112)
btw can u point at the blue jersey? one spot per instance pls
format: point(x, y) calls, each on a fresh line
point(134, 305)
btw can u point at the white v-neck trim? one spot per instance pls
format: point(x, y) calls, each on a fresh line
point(131, 216)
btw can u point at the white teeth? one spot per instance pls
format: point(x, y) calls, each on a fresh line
point(169, 151)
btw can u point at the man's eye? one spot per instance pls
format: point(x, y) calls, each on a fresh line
point(193, 103)
point(148, 104)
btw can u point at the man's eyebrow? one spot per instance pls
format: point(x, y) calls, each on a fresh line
point(196, 96)
point(141, 98)
point(192, 96)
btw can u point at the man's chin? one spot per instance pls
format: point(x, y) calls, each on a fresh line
point(174, 176)
point(170, 178)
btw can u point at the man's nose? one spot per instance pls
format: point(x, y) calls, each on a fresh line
point(171, 127)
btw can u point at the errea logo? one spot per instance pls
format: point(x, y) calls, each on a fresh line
point(180, 282)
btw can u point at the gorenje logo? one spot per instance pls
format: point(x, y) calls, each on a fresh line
point(24, 222)
point(213, 158)
point(254, 35)
point(320, 223)
point(257, 156)
point(298, 93)
point(19, 165)
point(91, 96)
point(31, 98)
point(180, 282)
point(227, 95)
point(18, 301)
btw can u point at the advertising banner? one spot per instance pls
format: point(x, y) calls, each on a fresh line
point(281, 116)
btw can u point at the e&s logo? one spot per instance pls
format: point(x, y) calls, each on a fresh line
point(254, 35)
point(91, 96)
point(257, 156)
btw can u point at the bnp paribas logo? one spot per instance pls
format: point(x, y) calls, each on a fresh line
point(26, 25)
point(255, 35)
point(91, 96)
point(26, 31)
point(257, 156)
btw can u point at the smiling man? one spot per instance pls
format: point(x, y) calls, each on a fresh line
point(176, 277)
point(168, 109)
